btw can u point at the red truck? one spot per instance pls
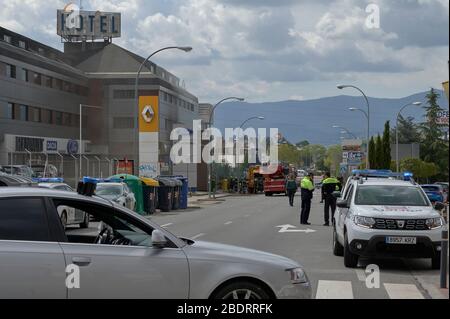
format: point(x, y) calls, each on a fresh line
point(275, 183)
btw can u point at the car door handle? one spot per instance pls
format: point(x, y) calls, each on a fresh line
point(81, 261)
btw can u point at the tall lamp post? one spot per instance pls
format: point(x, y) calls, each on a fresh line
point(210, 122)
point(353, 109)
point(80, 148)
point(341, 87)
point(136, 97)
point(346, 131)
point(397, 160)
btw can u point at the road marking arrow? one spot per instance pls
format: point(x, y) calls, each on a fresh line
point(286, 229)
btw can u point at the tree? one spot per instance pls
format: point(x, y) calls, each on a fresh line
point(334, 159)
point(421, 170)
point(372, 151)
point(386, 144)
point(408, 131)
point(433, 148)
point(302, 144)
point(378, 153)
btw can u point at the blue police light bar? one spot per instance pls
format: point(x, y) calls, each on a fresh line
point(48, 180)
point(372, 172)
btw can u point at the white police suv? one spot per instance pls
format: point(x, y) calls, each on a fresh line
point(386, 217)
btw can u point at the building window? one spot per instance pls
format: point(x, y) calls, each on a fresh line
point(57, 118)
point(22, 44)
point(21, 112)
point(7, 38)
point(11, 71)
point(47, 81)
point(57, 84)
point(7, 111)
point(65, 86)
point(123, 123)
point(46, 116)
point(123, 94)
point(67, 121)
point(34, 114)
point(24, 74)
point(37, 78)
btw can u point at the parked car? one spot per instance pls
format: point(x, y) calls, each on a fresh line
point(7, 180)
point(67, 214)
point(130, 257)
point(435, 193)
point(383, 217)
point(118, 193)
point(43, 171)
point(445, 188)
point(21, 170)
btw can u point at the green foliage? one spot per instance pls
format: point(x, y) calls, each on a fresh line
point(408, 131)
point(386, 142)
point(422, 170)
point(333, 159)
point(434, 148)
point(379, 153)
point(372, 152)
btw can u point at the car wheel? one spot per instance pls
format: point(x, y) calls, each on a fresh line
point(64, 219)
point(85, 223)
point(268, 194)
point(350, 259)
point(436, 262)
point(242, 290)
point(338, 249)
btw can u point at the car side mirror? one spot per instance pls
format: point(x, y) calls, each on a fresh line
point(158, 239)
point(342, 204)
point(337, 194)
point(439, 206)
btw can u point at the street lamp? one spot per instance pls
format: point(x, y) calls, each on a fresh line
point(345, 131)
point(210, 122)
point(261, 118)
point(80, 147)
point(397, 160)
point(341, 87)
point(136, 97)
point(355, 109)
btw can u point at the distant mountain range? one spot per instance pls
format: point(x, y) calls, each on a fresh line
point(313, 120)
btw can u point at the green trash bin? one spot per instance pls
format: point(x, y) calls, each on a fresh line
point(150, 192)
point(135, 185)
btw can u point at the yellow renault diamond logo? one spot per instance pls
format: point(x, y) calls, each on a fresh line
point(148, 114)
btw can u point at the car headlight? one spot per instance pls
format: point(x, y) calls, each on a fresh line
point(362, 221)
point(434, 223)
point(298, 276)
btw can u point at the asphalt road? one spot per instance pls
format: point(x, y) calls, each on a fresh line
point(255, 222)
point(251, 221)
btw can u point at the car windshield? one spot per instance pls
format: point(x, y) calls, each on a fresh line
point(108, 190)
point(431, 188)
point(390, 195)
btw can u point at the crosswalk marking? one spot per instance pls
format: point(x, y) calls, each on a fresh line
point(334, 290)
point(328, 289)
point(403, 291)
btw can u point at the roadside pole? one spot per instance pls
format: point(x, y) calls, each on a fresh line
point(444, 251)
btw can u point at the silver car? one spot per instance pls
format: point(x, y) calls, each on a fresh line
point(129, 257)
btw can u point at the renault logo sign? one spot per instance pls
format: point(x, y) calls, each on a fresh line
point(148, 114)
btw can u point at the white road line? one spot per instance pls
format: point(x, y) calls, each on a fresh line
point(228, 223)
point(166, 225)
point(403, 291)
point(361, 274)
point(247, 215)
point(197, 236)
point(334, 290)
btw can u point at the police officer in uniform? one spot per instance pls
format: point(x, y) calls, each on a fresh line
point(307, 190)
point(329, 186)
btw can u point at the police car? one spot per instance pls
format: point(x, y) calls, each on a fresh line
point(383, 216)
point(68, 215)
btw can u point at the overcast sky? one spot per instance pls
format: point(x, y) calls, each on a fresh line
point(271, 50)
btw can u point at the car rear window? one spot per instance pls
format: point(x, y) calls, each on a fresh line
point(390, 195)
point(23, 219)
point(431, 188)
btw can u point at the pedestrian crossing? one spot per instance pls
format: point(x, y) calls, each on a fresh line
point(335, 289)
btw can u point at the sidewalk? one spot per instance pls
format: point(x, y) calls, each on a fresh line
point(203, 197)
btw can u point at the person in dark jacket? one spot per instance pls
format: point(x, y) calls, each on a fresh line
point(307, 188)
point(329, 186)
point(291, 187)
